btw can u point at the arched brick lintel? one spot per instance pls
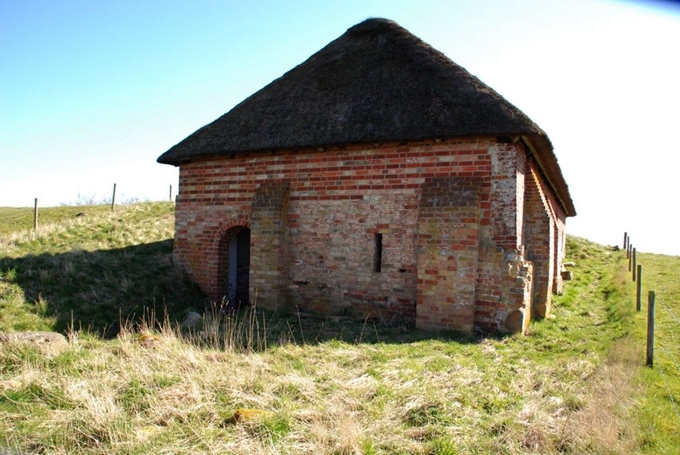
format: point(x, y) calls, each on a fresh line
point(223, 229)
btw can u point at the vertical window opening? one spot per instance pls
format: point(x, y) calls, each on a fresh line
point(377, 257)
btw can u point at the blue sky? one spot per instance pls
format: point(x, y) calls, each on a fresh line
point(91, 93)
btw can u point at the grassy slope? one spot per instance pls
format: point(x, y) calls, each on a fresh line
point(17, 219)
point(342, 387)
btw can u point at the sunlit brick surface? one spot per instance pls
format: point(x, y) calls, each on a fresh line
point(455, 239)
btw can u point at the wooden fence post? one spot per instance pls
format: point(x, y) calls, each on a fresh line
point(170, 193)
point(628, 249)
point(630, 257)
point(35, 215)
point(638, 302)
point(634, 263)
point(625, 241)
point(113, 198)
point(650, 329)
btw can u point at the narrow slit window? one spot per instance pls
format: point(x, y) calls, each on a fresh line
point(377, 257)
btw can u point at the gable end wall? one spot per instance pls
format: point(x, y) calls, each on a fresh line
point(327, 207)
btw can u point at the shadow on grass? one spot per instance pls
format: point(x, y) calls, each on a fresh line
point(98, 289)
point(254, 329)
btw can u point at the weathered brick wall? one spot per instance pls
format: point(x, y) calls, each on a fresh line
point(499, 273)
point(544, 233)
point(268, 222)
point(507, 193)
point(332, 254)
point(560, 249)
point(447, 251)
point(560, 234)
point(539, 242)
point(314, 217)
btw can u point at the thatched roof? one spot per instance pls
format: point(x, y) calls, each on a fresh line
point(375, 83)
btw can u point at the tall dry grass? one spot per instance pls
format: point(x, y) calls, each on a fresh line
point(160, 389)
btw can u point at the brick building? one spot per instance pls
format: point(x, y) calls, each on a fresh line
point(376, 178)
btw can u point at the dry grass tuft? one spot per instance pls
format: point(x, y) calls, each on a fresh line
point(604, 422)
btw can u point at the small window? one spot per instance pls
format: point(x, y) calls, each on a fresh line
point(377, 257)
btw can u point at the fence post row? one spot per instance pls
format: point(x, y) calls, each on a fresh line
point(113, 206)
point(636, 270)
point(650, 329)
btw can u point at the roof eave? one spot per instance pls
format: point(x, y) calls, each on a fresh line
point(541, 150)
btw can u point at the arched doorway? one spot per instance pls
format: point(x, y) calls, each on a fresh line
point(235, 266)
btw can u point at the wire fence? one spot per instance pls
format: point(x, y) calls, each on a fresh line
point(93, 201)
point(663, 328)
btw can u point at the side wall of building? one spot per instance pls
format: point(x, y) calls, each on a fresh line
point(544, 238)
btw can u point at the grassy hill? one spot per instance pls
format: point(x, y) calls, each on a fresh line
point(574, 384)
point(94, 269)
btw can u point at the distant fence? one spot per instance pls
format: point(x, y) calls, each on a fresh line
point(113, 205)
point(655, 330)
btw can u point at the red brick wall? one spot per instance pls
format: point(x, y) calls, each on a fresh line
point(317, 212)
point(544, 232)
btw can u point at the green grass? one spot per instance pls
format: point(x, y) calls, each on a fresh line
point(573, 384)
